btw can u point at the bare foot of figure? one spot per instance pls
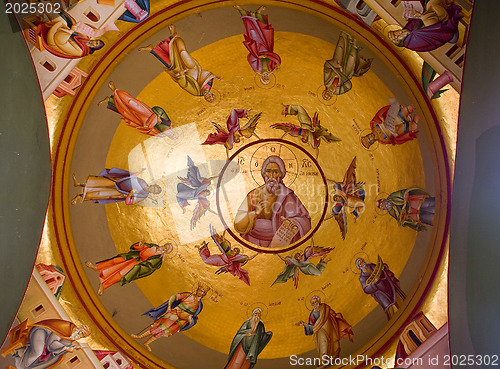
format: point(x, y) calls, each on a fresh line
point(261, 9)
point(100, 291)
point(103, 101)
point(172, 31)
point(146, 48)
point(90, 265)
point(112, 86)
point(75, 199)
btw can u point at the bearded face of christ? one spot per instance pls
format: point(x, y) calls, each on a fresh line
point(272, 177)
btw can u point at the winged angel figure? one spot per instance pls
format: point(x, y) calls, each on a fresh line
point(194, 187)
point(310, 130)
point(229, 260)
point(234, 131)
point(349, 193)
point(300, 262)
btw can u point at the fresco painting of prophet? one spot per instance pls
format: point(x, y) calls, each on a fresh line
point(259, 41)
point(345, 64)
point(182, 67)
point(136, 114)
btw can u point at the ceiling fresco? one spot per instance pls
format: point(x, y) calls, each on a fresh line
point(239, 181)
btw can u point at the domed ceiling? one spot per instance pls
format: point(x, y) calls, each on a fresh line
point(243, 182)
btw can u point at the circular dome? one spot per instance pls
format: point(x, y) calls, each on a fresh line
point(275, 179)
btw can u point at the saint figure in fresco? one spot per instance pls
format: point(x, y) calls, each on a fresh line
point(229, 260)
point(248, 342)
point(345, 64)
point(271, 208)
point(142, 260)
point(301, 262)
point(194, 187)
point(43, 344)
point(348, 194)
point(379, 282)
point(392, 125)
point(327, 328)
point(177, 314)
point(259, 40)
point(136, 114)
point(114, 185)
point(411, 207)
point(234, 130)
point(434, 27)
point(182, 67)
point(68, 39)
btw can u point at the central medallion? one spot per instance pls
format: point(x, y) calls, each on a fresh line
point(277, 199)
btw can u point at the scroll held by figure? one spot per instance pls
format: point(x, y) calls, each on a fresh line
point(345, 64)
point(259, 40)
point(182, 67)
point(379, 282)
point(392, 125)
point(430, 29)
point(178, 314)
point(136, 114)
point(272, 215)
point(412, 207)
point(114, 185)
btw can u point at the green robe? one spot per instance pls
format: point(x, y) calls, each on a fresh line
point(143, 268)
point(253, 345)
point(346, 55)
point(305, 267)
point(397, 199)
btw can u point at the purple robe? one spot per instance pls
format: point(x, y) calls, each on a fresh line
point(432, 37)
point(384, 290)
point(125, 182)
point(287, 205)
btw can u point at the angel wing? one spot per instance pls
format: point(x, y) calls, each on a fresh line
point(349, 183)
point(201, 208)
point(219, 240)
point(290, 128)
point(315, 251)
point(219, 128)
point(342, 221)
point(252, 123)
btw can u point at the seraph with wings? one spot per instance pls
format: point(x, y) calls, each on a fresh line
point(228, 137)
point(301, 262)
point(229, 260)
point(194, 187)
point(350, 194)
point(310, 130)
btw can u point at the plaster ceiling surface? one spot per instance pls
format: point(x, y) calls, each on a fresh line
point(95, 138)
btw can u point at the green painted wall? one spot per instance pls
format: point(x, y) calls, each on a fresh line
point(474, 318)
point(24, 169)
